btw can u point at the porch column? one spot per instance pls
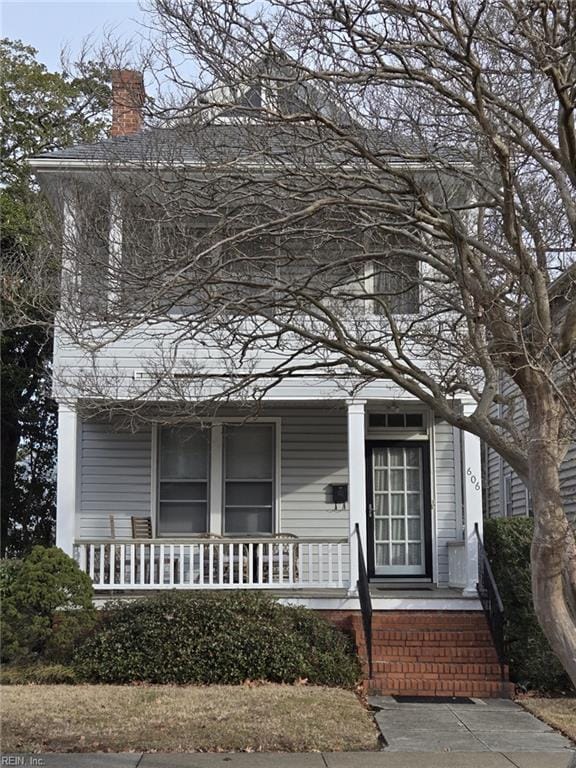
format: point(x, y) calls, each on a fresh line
point(472, 498)
point(66, 478)
point(356, 484)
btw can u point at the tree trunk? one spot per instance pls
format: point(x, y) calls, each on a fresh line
point(553, 556)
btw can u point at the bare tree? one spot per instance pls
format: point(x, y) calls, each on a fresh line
point(365, 190)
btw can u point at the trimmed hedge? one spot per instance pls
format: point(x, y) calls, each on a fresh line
point(222, 638)
point(533, 665)
point(46, 607)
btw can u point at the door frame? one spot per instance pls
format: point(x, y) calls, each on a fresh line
point(427, 496)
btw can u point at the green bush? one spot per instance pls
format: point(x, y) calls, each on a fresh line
point(9, 568)
point(38, 674)
point(215, 638)
point(47, 608)
point(532, 662)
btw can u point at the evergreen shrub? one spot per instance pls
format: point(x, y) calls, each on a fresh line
point(224, 638)
point(46, 607)
point(533, 665)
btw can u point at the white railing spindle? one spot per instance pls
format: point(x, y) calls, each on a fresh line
point(250, 563)
point(122, 565)
point(112, 562)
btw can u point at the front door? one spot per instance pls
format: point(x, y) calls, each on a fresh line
point(398, 508)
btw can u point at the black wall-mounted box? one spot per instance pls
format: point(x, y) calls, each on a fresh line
point(339, 494)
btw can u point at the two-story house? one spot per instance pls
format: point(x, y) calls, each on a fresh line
point(162, 486)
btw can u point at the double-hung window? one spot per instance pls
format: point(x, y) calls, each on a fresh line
point(183, 481)
point(248, 479)
point(396, 288)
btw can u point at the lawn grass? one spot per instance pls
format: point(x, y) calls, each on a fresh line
point(111, 718)
point(560, 713)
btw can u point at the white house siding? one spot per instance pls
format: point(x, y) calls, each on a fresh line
point(497, 471)
point(448, 515)
point(129, 367)
point(115, 478)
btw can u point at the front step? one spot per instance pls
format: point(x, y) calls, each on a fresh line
point(415, 686)
point(419, 653)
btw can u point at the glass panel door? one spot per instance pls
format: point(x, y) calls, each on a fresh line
point(398, 510)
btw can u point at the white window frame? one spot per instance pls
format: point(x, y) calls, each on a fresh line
point(400, 433)
point(216, 473)
point(155, 495)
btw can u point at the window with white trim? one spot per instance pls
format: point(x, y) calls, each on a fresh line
point(183, 481)
point(245, 464)
point(396, 286)
point(248, 478)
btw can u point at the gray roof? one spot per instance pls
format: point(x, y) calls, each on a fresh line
point(216, 143)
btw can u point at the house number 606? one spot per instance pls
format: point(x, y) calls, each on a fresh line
point(473, 479)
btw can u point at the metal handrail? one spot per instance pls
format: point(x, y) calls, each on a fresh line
point(365, 599)
point(491, 602)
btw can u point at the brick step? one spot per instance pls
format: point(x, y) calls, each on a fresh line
point(431, 636)
point(430, 643)
point(416, 686)
point(434, 670)
point(426, 618)
point(471, 654)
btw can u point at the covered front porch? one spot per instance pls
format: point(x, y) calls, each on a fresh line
point(279, 500)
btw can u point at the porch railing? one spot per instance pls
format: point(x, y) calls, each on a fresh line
point(213, 564)
point(365, 599)
point(491, 602)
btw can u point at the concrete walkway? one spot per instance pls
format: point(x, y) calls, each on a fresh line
point(479, 725)
point(316, 760)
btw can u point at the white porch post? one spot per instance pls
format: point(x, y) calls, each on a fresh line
point(356, 484)
point(472, 497)
point(66, 478)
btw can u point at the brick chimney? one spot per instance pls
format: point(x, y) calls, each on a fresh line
point(127, 101)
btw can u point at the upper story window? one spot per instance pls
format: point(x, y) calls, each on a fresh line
point(396, 286)
point(150, 255)
point(90, 242)
point(396, 275)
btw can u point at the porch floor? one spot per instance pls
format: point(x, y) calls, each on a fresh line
point(378, 593)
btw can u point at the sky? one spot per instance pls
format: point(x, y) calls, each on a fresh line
point(50, 26)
